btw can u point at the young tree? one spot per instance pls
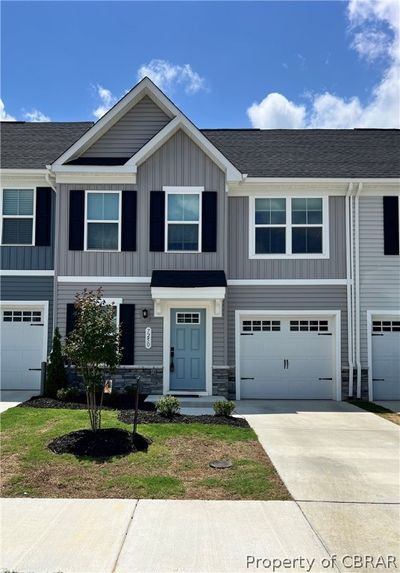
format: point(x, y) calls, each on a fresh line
point(56, 377)
point(93, 346)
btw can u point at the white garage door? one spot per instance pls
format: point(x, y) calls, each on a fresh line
point(386, 358)
point(287, 358)
point(22, 347)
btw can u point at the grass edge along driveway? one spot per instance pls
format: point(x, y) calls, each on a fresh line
point(175, 466)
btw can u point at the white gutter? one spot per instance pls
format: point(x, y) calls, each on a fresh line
point(357, 276)
point(349, 288)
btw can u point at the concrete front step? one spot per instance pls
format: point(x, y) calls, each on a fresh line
point(192, 401)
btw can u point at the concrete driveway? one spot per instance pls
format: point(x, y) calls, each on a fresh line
point(341, 464)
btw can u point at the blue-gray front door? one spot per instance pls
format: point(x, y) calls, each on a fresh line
point(188, 350)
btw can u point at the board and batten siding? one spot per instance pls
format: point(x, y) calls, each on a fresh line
point(286, 298)
point(379, 273)
point(29, 258)
point(242, 267)
point(140, 296)
point(179, 162)
point(131, 132)
point(30, 289)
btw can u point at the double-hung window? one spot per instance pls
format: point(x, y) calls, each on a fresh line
point(183, 222)
point(289, 227)
point(103, 221)
point(18, 208)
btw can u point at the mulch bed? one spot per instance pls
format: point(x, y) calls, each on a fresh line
point(117, 403)
point(101, 444)
point(126, 416)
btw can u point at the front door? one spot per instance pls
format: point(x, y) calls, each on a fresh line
point(187, 370)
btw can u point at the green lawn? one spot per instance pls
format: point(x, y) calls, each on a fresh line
point(175, 466)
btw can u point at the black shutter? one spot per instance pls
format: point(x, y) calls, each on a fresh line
point(43, 217)
point(209, 222)
point(127, 321)
point(70, 318)
point(157, 220)
point(391, 225)
point(129, 208)
point(76, 220)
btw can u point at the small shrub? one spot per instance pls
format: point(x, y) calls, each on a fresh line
point(224, 408)
point(168, 406)
point(67, 394)
point(56, 377)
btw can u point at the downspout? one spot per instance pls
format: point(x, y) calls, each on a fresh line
point(349, 243)
point(50, 180)
point(357, 271)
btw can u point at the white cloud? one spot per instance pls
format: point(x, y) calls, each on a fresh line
point(375, 25)
point(276, 111)
point(166, 76)
point(36, 116)
point(4, 116)
point(107, 101)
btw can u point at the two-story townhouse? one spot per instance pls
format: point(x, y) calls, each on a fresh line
point(231, 255)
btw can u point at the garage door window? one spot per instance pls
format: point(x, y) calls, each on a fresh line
point(309, 326)
point(22, 316)
point(261, 326)
point(386, 326)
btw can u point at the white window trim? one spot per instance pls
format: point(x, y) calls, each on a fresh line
point(182, 191)
point(33, 216)
point(119, 221)
point(288, 226)
point(114, 302)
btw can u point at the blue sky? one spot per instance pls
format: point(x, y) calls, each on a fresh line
point(303, 64)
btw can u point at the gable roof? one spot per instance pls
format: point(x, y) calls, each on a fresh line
point(27, 145)
point(311, 152)
point(332, 153)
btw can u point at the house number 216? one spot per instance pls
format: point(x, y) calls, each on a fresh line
point(147, 339)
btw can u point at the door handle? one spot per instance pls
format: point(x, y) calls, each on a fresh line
point(171, 363)
point(285, 364)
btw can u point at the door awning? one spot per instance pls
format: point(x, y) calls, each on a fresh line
point(188, 279)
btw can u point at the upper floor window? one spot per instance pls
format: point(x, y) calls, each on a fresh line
point(183, 222)
point(18, 217)
point(289, 227)
point(103, 221)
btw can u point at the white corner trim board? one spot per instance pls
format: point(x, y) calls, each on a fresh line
point(10, 273)
point(103, 280)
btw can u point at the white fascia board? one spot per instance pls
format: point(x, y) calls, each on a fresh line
point(144, 87)
point(286, 282)
point(35, 177)
point(103, 280)
point(200, 293)
point(181, 122)
point(27, 273)
point(23, 172)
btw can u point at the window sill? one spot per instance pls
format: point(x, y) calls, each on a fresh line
point(290, 257)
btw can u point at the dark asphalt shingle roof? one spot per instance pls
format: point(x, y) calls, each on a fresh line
point(259, 153)
point(188, 279)
point(28, 145)
point(311, 152)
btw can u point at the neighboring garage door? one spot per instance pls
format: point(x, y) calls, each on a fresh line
point(287, 357)
point(22, 347)
point(386, 358)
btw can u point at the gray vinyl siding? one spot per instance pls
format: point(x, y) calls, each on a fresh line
point(140, 296)
point(27, 289)
point(285, 298)
point(131, 132)
point(178, 162)
point(23, 258)
point(379, 273)
point(241, 267)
